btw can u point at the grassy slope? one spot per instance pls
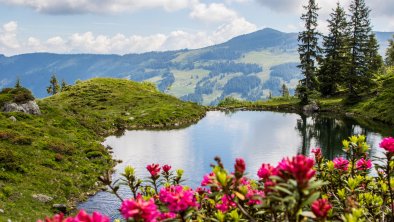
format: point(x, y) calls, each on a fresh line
point(59, 153)
point(379, 107)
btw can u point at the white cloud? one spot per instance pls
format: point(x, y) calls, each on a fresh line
point(96, 6)
point(214, 12)
point(8, 36)
point(88, 42)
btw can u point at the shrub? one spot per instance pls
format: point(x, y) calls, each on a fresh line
point(22, 140)
point(61, 148)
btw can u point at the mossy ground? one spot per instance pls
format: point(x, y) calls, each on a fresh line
point(59, 153)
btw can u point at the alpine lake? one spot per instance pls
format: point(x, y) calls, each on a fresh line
point(256, 136)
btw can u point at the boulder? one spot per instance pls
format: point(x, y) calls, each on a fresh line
point(29, 107)
point(12, 118)
point(42, 198)
point(311, 107)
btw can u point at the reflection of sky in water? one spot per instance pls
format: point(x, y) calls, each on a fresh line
point(258, 137)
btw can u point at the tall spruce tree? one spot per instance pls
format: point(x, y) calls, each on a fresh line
point(333, 66)
point(360, 74)
point(308, 50)
point(390, 53)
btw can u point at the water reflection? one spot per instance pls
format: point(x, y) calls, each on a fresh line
point(258, 137)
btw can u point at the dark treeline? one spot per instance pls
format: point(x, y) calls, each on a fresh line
point(348, 58)
point(232, 67)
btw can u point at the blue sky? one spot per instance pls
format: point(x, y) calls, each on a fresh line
point(134, 26)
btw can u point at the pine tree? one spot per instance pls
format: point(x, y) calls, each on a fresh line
point(360, 73)
point(270, 95)
point(308, 50)
point(336, 53)
point(390, 53)
point(374, 59)
point(54, 87)
point(64, 85)
point(285, 91)
point(18, 83)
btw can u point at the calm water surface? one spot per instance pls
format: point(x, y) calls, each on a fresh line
point(258, 137)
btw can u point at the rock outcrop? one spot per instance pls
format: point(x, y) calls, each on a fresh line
point(311, 108)
point(29, 107)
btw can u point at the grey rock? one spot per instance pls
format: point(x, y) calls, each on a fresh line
point(29, 107)
point(42, 198)
point(311, 108)
point(12, 118)
point(60, 208)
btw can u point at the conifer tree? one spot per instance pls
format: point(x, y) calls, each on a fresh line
point(64, 85)
point(308, 50)
point(54, 86)
point(336, 53)
point(390, 53)
point(18, 83)
point(285, 91)
point(360, 72)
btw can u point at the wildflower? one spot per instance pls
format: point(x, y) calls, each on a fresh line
point(154, 169)
point(387, 144)
point(265, 171)
point(318, 154)
point(226, 204)
point(166, 168)
point(299, 168)
point(208, 179)
point(82, 216)
point(177, 198)
point(239, 167)
point(139, 209)
point(321, 207)
point(363, 164)
point(166, 216)
point(341, 164)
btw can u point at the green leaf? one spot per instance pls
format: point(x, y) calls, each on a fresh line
point(310, 199)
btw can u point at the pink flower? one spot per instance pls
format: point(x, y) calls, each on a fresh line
point(139, 209)
point(167, 215)
point(321, 207)
point(166, 168)
point(318, 154)
point(341, 163)
point(239, 166)
point(177, 198)
point(254, 196)
point(299, 168)
point(82, 216)
point(226, 204)
point(265, 171)
point(387, 144)
point(208, 179)
point(363, 164)
point(154, 169)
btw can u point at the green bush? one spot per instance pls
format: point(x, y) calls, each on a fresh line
point(22, 140)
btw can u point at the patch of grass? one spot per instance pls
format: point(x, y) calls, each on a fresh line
point(59, 153)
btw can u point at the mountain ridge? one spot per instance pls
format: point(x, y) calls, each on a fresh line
point(200, 75)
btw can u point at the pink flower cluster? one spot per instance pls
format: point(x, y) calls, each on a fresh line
point(166, 168)
point(363, 164)
point(265, 171)
point(208, 179)
point(341, 164)
point(318, 154)
point(177, 198)
point(321, 207)
point(226, 204)
point(387, 144)
point(139, 209)
point(154, 169)
point(82, 216)
point(239, 167)
point(299, 168)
